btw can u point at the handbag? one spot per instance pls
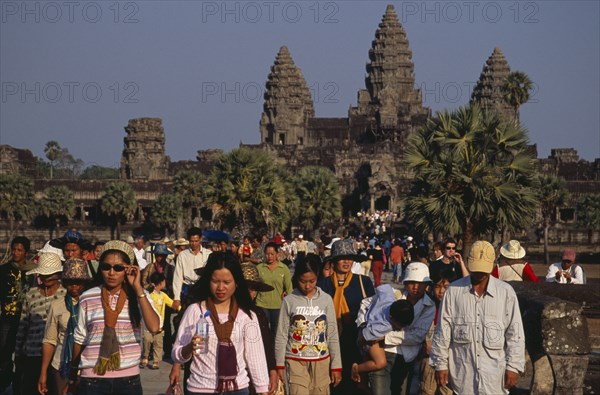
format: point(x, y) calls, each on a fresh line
point(174, 389)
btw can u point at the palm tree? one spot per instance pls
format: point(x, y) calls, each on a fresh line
point(319, 195)
point(16, 200)
point(188, 187)
point(52, 151)
point(588, 213)
point(119, 203)
point(551, 194)
point(165, 211)
point(246, 189)
point(473, 175)
point(58, 205)
point(516, 91)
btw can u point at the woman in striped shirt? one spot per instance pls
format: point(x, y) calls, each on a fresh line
point(108, 334)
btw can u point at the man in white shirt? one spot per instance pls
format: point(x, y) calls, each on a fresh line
point(566, 271)
point(140, 252)
point(187, 261)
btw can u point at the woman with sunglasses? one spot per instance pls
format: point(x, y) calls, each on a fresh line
point(235, 346)
point(107, 347)
point(36, 307)
point(451, 261)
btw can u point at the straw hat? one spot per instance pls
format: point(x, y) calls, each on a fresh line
point(253, 278)
point(49, 263)
point(120, 246)
point(181, 242)
point(512, 250)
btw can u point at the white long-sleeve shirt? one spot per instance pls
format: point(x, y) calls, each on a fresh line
point(576, 272)
point(477, 338)
point(407, 341)
point(184, 273)
point(245, 336)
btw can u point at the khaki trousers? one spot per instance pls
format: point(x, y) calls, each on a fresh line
point(156, 342)
point(308, 378)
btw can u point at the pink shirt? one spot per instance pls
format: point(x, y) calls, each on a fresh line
point(248, 344)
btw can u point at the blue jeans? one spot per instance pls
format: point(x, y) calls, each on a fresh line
point(243, 391)
point(273, 317)
point(110, 386)
point(390, 379)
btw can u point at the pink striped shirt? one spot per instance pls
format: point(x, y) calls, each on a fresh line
point(90, 327)
point(248, 344)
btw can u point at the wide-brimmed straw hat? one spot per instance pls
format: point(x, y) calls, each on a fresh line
point(253, 279)
point(344, 249)
point(181, 242)
point(76, 270)
point(512, 250)
point(48, 264)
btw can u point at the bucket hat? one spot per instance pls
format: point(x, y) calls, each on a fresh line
point(344, 249)
point(512, 250)
point(417, 272)
point(161, 249)
point(75, 269)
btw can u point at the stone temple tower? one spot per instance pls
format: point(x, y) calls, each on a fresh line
point(488, 90)
point(288, 104)
point(144, 156)
point(391, 100)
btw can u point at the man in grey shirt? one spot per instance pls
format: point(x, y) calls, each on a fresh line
point(479, 346)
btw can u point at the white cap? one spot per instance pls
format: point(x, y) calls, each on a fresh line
point(48, 248)
point(418, 272)
point(300, 236)
point(409, 238)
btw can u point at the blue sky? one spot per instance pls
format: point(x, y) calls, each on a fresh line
point(76, 72)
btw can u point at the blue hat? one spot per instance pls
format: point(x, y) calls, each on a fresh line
point(161, 249)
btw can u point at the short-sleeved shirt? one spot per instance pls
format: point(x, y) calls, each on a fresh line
point(280, 279)
point(56, 327)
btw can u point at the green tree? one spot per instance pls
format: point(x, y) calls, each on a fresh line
point(53, 151)
point(58, 206)
point(588, 213)
point(516, 91)
point(551, 194)
point(319, 195)
point(246, 191)
point(119, 203)
point(188, 187)
point(16, 200)
point(473, 175)
point(165, 211)
point(96, 172)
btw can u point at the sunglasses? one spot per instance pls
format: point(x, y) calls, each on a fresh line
point(105, 267)
point(451, 248)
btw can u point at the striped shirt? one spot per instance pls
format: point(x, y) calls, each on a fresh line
point(32, 326)
point(247, 339)
point(90, 327)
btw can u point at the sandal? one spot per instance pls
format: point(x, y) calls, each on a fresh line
point(154, 366)
point(144, 363)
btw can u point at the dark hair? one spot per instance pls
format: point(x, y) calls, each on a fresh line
point(135, 315)
point(403, 312)
point(438, 245)
point(444, 274)
point(99, 243)
point(449, 240)
point(21, 240)
point(194, 231)
point(310, 264)
point(322, 268)
point(216, 261)
point(157, 278)
point(272, 245)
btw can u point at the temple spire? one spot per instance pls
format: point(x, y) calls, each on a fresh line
point(288, 103)
point(488, 91)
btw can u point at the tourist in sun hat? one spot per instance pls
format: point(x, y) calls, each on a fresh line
point(160, 265)
point(511, 265)
point(566, 271)
point(347, 290)
point(471, 306)
point(34, 314)
point(57, 345)
point(120, 298)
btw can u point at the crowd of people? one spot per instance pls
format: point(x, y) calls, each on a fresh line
point(299, 317)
